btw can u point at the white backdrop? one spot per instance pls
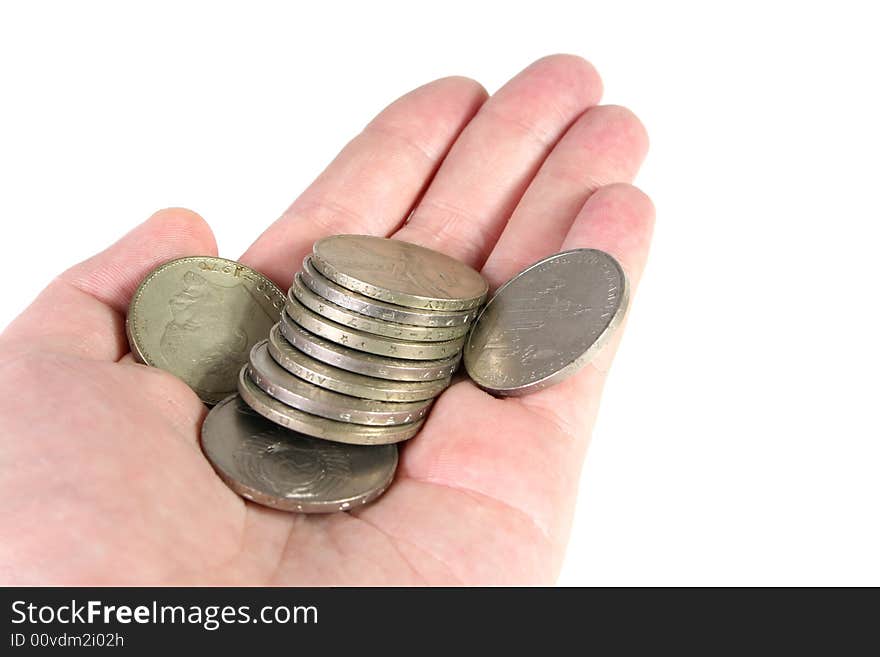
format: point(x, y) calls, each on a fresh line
point(738, 441)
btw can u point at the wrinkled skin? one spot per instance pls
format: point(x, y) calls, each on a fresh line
point(102, 477)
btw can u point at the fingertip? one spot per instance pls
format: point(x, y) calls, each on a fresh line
point(618, 219)
point(620, 124)
point(183, 227)
point(569, 69)
point(462, 86)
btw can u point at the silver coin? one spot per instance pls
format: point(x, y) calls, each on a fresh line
point(382, 367)
point(547, 322)
point(286, 470)
point(198, 317)
point(348, 383)
point(317, 426)
point(399, 272)
point(352, 319)
point(364, 305)
point(368, 342)
point(299, 393)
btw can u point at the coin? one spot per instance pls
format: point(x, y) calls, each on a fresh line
point(286, 470)
point(320, 427)
point(547, 322)
point(349, 383)
point(299, 393)
point(364, 305)
point(198, 317)
point(352, 319)
point(399, 272)
point(363, 341)
point(382, 367)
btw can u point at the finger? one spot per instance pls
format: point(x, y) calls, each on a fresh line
point(372, 185)
point(617, 219)
point(512, 465)
point(607, 144)
point(82, 312)
point(491, 164)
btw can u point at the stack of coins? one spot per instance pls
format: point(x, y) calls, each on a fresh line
point(370, 335)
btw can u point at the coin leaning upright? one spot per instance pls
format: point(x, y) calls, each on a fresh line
point(399, 272)
point(198, 317)
point(285, 470)
point(547, 322)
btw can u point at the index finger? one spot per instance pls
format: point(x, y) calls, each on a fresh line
point(374, 182)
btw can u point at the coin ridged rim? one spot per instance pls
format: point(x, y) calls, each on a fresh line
point(576, 363)
point(368, 342)
point(288, 504)
point(310, 398)
point(399, 298)
point(394, 330)
point(301, 364)
point(320, 427)
point(133, 335)
point(359, 303)
point(381, 367)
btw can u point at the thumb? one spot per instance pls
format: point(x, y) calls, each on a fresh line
point(82, 312)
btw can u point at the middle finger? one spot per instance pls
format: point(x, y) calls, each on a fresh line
point(489, 167)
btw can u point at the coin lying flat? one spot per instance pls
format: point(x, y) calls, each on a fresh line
point(399, 272)
point(198, 318)
point(286, 470)
point(382, 367)
point(299, 393)
point(364, 305)
point(352, 319)
point(348, 383)
point(547, 322)
point(369, 342)
point(320, 427)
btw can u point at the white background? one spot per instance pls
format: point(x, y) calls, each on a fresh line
point(738, 441)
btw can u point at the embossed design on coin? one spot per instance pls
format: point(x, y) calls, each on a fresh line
point(547, 322)
point(198, 317)
point(286, 470)
point(399, 272)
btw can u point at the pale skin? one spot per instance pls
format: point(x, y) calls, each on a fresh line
point(103, 480)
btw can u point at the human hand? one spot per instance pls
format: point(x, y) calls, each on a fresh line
point(103, 480)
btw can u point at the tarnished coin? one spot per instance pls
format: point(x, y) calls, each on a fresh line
point(348, 383)
point(382, 367)
point(299, 393)
point(317, 426)
point(399, 272)
point(352, 319)
point(364, 305)
point(547, 322)
point(198, 318)
point(363, 341)
point(286, 470)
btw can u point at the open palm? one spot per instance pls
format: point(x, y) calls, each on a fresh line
point(101, 474)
